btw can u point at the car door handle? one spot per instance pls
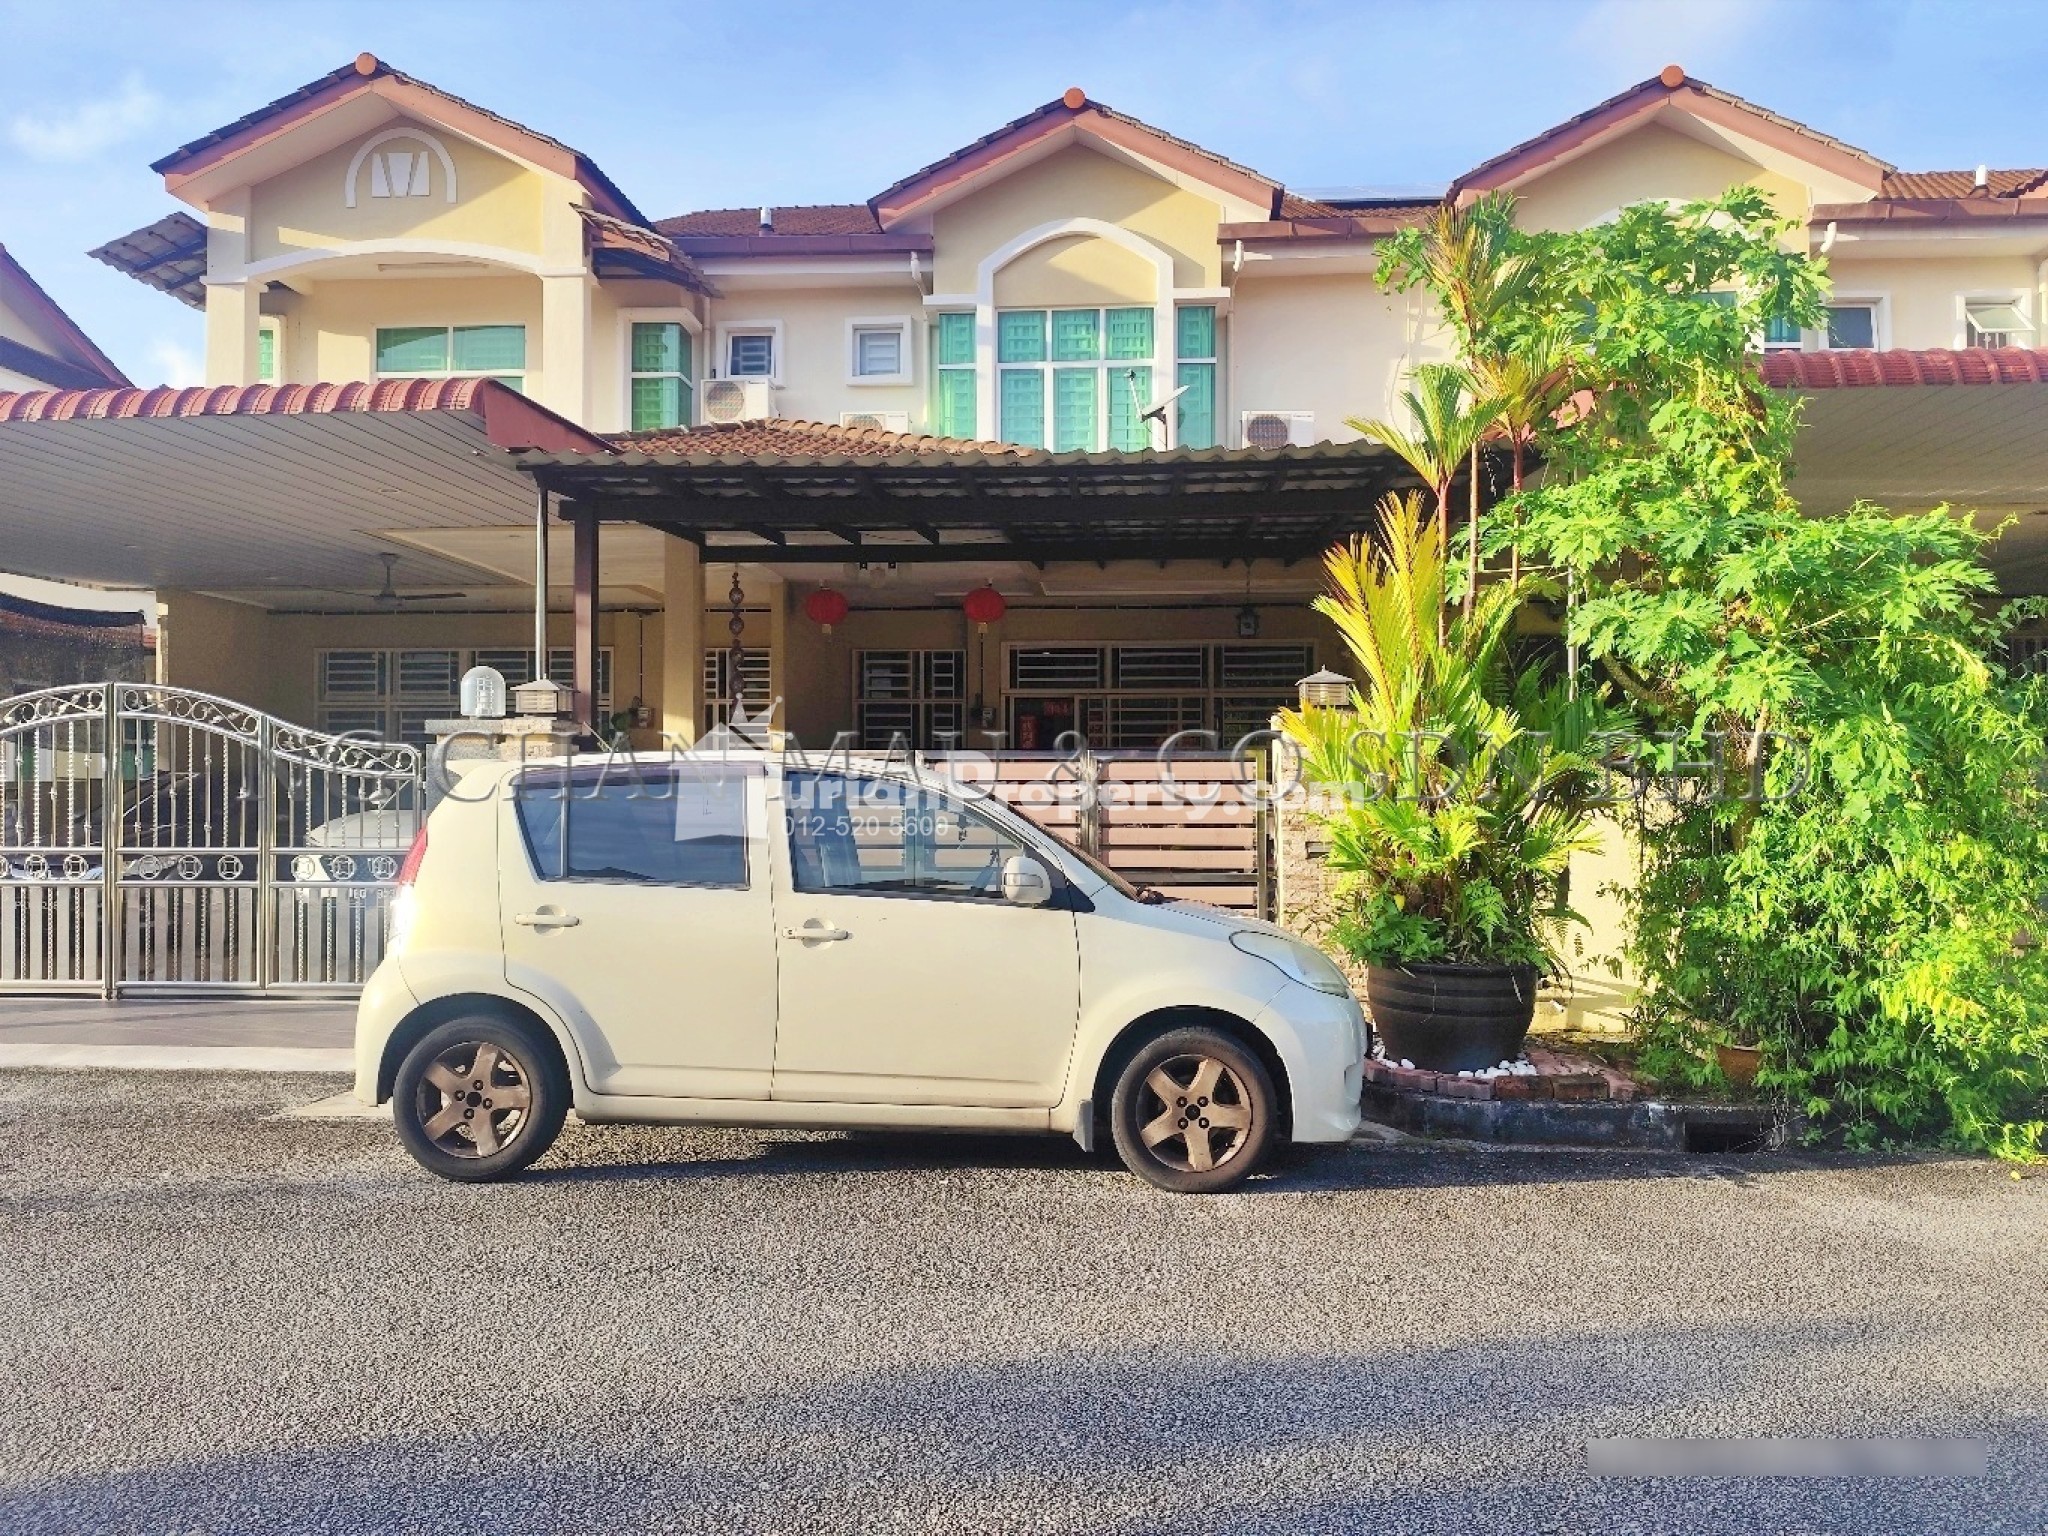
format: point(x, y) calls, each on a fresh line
point(816, 933)
point(546, 919)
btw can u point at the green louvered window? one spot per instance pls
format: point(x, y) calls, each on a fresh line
point(1076, 379)
point(1195, 410)
point(1076, 407)
point(266, 353)
point(1021, 407)
point(953, 403)
point(1130, 391)
point(663, 376)
point(459, 351)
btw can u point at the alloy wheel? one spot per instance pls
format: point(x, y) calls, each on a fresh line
point(474, 1099)
point(1195, 1113)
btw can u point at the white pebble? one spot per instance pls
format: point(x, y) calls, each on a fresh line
point(1407, 1063)
point(1464, 1074)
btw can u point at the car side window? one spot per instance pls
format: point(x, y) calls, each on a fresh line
point(636, 825)
point(858, 834)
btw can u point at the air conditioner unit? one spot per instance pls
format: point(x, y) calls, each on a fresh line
point(876, 421)
point(730, 400)
point(1279, 429)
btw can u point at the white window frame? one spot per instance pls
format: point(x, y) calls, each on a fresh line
point(274, 324)
point(628, 318)
point(772, 329)
point(1109, 370)
point(523, 374)
point(901, 325)
point(1880, 309)
point(2020, 299)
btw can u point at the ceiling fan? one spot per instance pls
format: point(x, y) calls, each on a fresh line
point(388, 595)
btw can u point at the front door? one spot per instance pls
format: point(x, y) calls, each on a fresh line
point(634, 899)
point(905, 977)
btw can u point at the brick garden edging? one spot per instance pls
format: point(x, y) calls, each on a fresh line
point(1559, 1075)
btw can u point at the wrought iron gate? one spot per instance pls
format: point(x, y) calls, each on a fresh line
point(154, 839)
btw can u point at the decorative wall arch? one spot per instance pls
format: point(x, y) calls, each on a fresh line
point(355, 165)
point(1158, 258)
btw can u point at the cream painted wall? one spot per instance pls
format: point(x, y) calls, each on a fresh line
point(1078, 272)
point(816, 360)
point(330, 329)
point(1923, 294)
point(614, 304)
point(1650, 163)
point(498, 200)
point(1333, 345)
point(1071, 184)
point(219, 647)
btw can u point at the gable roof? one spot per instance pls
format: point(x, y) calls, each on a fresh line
point(1073, 110)
point(369, 75)
point(1670, 87)
point(86, 365)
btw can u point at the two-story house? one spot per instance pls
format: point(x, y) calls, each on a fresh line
point(1076, 281)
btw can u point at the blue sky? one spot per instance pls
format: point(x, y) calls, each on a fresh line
point(709, 105)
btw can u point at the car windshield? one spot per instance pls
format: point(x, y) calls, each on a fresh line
point(1116, 881)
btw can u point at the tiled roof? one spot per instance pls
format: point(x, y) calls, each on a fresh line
point(777, 438)
point(366, 67)
point(1073, 104)
point(1862, 370)
point(169, 255)
point(28, 297)
point(1668, 83)
point(640, 250)
point(816, 219)
point(509, 419)
point(1908, 185)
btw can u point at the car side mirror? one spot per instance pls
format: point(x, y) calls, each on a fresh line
point(1025, 881)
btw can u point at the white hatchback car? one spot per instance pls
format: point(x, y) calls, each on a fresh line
point(749, 940)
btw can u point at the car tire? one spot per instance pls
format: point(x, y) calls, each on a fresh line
point(479, 1098)
point(1193, 1112)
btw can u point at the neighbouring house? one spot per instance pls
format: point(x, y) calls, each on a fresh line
point(1081, 361)
point(41, 347)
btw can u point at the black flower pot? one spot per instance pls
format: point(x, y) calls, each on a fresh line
point(1452, 1018)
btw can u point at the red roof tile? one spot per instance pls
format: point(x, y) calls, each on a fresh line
point(1074, 104)
point(817, 219)
point(798, 439)
point(1864, 370)
point(1672, 82)
point(1909, 185)
point(360, 73)
point(510, 419)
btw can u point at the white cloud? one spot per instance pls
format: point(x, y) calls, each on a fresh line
point(176, 364)
point(94, 127)
point(1639, 37)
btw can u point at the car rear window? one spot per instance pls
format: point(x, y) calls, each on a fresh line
point(636, 824)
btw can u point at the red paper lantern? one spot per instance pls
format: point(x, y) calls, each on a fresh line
point(985, 606)
point(825, 607)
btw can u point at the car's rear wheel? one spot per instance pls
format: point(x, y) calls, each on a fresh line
point(1193, 1112)
point(479, 1098)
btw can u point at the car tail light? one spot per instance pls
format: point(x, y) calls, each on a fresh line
point(415, 856)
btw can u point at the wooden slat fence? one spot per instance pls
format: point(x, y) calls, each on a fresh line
point(1194, 828)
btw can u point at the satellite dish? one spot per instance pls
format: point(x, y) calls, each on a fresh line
point(1157, 410)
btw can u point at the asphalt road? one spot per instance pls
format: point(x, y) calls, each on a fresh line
point(216, 1321)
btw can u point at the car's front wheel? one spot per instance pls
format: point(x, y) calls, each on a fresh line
point(479, 1099)
point(1193, 1112)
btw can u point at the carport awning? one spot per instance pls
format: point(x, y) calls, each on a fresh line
point(290, 486)
point(934, 500)
point(1908, 430)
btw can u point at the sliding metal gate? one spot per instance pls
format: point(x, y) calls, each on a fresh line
point(159, 840)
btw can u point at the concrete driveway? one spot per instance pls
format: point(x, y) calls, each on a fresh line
point(218, 1320)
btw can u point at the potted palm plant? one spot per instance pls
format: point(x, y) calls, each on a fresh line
point(1462, 793)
